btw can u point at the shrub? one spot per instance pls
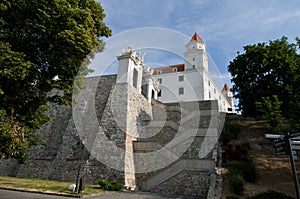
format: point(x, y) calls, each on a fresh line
point(102, 183)
point(245, 147)
point(115, 186)
point(110, 186)
point(245, 169)
point(232, 197)
point(236, 152)
point(236, 184)
point(271, 195)
point(230, 131)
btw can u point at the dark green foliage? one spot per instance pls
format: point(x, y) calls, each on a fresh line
point(245, 169)
point(39, 40)
point(110, 186)
point(294, 117)
point(269, 109)
point(245, 147)
point(230, 131)
point(102, 183)
point(236, 184)
point(266, 70)
point(15, 140)
point(271, 195)
point(236, 152)
point(232, 197)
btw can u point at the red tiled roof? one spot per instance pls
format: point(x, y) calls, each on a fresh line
point(226, 87)
point(196, 37)
point(169, 69)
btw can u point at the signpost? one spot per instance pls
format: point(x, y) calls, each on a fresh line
point(288, 144)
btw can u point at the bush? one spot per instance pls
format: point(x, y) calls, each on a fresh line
point(236, 184)
point(102, 183)
point(245, 169)
point(245, 147)
point(110, 186)
point(236, 152)
point(115, 186)
point(232, 197)
point(230, 131)
point(271, 195)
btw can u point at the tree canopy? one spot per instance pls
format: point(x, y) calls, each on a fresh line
point(40, 40)
point(268, 71)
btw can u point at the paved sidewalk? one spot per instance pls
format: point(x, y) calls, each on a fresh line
point(12, 194)
point(131, 195)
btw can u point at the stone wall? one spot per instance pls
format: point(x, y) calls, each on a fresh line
point(9, 167)
point(61, 156)
point(186, 183)
point(193, 173)
point(173, 135)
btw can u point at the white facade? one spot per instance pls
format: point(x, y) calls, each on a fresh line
point(177, 83)
point(131, 70)
point(195, 83)
point(179, 86)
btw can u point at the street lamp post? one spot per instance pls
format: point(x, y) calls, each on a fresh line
point(78, 180)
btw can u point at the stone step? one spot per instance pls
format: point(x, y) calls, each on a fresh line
point(175, 168)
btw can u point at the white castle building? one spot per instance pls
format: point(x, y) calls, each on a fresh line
point(189, 81)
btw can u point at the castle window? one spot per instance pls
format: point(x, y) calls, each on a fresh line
point(215, 91)
point(159, 93)
point(193, 66)
point(159, 72)
point(181, 91)
point(174, 69)
point(181, 78)
point(209, 95)
point(159, 80)
point(208, 83)
point(193, 59)
point(135, 78)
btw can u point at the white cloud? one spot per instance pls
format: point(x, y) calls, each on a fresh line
point(226, 26)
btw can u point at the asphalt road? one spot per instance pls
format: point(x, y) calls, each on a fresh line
point(8, 194)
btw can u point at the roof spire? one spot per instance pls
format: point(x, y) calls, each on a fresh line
point(196, 37)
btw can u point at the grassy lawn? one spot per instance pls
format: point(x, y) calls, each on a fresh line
point(45, 185)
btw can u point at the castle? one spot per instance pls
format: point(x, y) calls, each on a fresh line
point(152, 129)
point(190, 81)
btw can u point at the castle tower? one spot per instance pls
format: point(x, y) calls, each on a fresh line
point(130, 69)
point(195, 55)
point(228, 94)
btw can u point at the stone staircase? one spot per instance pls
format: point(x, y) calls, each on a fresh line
point(176, 168)
point(187, 126)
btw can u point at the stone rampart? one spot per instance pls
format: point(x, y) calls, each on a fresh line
point(181, 137)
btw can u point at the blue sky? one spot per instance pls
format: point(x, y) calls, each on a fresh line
point(225, 25)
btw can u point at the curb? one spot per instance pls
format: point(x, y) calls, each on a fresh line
point(44, 192)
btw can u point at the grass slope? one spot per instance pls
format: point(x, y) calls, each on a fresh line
point(275, 172)
point(50, 186)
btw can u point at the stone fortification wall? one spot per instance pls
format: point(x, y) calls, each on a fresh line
point(59, 159)
point(181, 136)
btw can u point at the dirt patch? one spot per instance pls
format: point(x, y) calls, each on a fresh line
point(274, 172)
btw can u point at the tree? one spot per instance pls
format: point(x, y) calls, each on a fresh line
point(269, 110)
point(266, 70)
point(40, 40)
